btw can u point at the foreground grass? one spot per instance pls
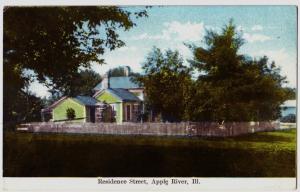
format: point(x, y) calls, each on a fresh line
point(266, 154)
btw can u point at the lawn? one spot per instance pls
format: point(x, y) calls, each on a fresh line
point(265, 154)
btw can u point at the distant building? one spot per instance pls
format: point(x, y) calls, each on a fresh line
point(289, 107)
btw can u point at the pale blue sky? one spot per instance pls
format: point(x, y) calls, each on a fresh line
point(268, 30)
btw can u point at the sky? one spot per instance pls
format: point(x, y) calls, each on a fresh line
point(267, 30)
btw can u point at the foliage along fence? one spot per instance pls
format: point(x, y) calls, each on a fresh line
point(161, 129)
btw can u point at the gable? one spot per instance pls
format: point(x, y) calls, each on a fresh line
point(53, 105)
point(108, 97)
point(60, 110)
point(116, 95)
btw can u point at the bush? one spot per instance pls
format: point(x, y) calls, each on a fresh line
point(71, 114)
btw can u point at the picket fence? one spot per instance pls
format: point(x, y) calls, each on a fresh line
point(160, 129)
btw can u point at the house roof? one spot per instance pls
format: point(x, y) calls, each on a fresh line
point(121, 94)
point(119, 82)
point(289, 103)
point(83, 100)
point(124, 95)
point(86, 100)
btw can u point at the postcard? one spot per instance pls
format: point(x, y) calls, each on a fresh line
point(154, 97)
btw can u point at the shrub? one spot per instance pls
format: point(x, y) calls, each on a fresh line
point(71, 114)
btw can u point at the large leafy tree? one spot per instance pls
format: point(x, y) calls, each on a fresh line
point(51, 43)
point(85, 82)
point(28, 109)
point(231, 86)
point(165, 80)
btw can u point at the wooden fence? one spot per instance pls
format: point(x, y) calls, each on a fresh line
point(167, 129)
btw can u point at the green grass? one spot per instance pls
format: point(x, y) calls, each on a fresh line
point(265, 154)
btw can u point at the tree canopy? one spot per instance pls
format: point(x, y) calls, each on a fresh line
point(52, 43)
point(165, 80)
point(120, 71)
point(231, 86)
point(84, 82)
point(291, 93)
point(55, 41)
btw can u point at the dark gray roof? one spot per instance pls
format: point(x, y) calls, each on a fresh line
point(86, 100)
point(124, 95)
point(119, 82)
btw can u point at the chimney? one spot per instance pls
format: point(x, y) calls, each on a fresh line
point(126, 71)
point(105, 81)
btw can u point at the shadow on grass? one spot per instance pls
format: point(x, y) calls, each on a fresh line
point(50, 155)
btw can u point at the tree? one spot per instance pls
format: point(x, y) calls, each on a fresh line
point(70, 113)
point(117, 72)
point(55, 41)
point(20, 105)
point(291, 93)
point(52, 43)
point(85, 82)
point(232, 87)
point(120, 72)
point(165, 80)
point(29, 110)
